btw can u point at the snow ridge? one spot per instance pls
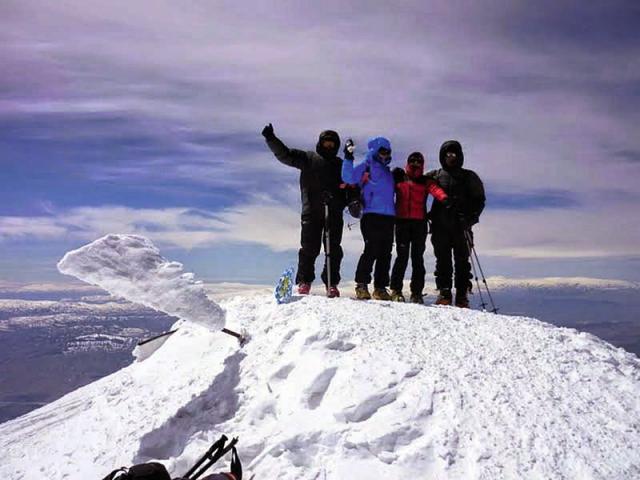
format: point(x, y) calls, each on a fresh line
point(346, 389)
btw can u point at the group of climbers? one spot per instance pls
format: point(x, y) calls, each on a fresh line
point(393, 204)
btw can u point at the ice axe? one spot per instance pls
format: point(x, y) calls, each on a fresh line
point(242, 338)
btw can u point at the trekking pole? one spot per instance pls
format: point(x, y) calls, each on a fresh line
point(218, 444)
point(327, 239)
point(484, 280)
point(213, 454)
point(475, 272)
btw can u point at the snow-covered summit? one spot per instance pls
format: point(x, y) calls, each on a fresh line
point(343, 389)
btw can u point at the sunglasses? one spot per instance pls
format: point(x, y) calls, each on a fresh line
point(416, 160)
point(451, 155)
point(384, 152)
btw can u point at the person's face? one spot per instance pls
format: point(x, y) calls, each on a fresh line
point(384, 153)
point(451, 159)
point(328, 145)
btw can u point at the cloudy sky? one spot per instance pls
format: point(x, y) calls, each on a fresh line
point(145, 117)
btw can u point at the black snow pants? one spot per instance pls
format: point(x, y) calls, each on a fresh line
point(377, 233)
point(444, 241)
point(411, 235)
point(312, 238)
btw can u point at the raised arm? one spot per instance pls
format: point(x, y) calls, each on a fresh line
point(350, 174)
point(289, 156)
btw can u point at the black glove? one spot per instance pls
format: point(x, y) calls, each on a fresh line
point(267, 132)
point(349, 148)
point(355, 208)
point(446, 203)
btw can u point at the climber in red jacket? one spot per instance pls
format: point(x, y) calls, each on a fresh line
point(411, 228)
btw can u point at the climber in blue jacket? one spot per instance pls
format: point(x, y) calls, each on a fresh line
point(376, 183)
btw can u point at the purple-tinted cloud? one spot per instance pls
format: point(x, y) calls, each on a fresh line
point(543, 97)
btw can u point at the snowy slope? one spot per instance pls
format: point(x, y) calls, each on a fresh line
point(343, 389)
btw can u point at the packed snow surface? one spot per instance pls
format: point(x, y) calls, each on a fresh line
point(131, 267)
point(337, 389)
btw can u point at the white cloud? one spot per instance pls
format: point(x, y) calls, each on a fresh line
point(559, 233)
point(38, 227)
point(545, 233)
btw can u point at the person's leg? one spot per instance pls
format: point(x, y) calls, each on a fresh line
point(441, 241)
point(310, 240)
point(336, 226)
point(462, 267)
point(383, 251)
point(418, 241)
point(365, 264)
point(402, 254)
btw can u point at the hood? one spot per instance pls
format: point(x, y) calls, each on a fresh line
point(328, 135)
point(451, 146)
point(376, 144)
point(414, 171)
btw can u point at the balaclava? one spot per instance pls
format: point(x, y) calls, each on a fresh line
point(451, 146)
point(328, 135)
point(413, 170)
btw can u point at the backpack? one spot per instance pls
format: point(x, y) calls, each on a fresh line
point(156, 471)
point(144, 471)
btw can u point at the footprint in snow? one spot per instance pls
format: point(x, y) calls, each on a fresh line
point(368, 407)
point(340, 345)
point(283, 372)
point(315, 392)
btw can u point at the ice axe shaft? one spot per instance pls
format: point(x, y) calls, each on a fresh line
point(239, 336)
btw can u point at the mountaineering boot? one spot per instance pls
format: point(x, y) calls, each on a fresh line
point(416, 298)
point(462, 300)
point(304, 288)
point(444, 298)
point(380, 294)
point(362, 291)
point(333, 292)
point(396, 296)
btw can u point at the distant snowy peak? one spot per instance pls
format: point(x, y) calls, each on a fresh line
point(583, 283)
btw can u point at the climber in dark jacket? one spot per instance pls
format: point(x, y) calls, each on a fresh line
point(412, 189)
point(320, 183)
point(466, 197)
